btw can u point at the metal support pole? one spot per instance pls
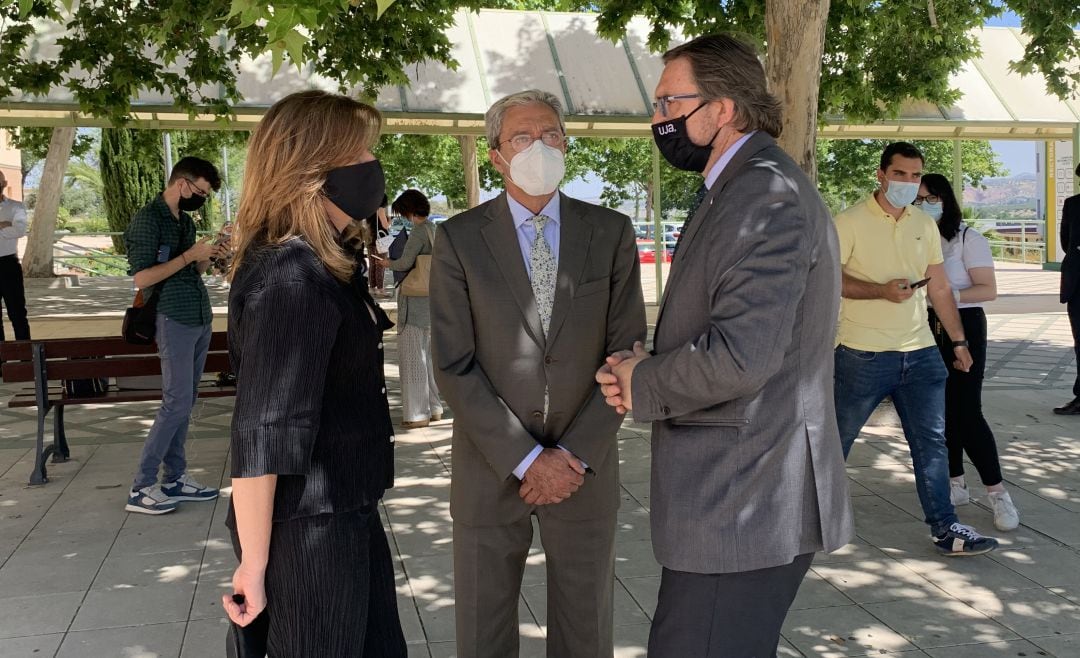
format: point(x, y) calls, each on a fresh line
point(958, 169)
point(658, 227)
point(167, 142)
point(225, 187)
point(1050, 221)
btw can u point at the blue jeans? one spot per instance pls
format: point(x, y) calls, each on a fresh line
point(183, 354)
point(916, 382)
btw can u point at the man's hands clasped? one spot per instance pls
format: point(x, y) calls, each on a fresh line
point(552, 477)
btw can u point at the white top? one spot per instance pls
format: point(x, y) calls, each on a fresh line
point(15, 212)
point(968, 249)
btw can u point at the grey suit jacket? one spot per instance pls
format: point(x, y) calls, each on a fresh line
point(493, 362)
point(747, 469)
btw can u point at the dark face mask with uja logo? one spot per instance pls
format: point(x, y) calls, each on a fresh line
point(357, 189)
point(673, 140)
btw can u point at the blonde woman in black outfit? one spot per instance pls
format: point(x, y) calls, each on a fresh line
point(312, 440)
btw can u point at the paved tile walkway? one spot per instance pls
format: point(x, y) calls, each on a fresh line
point(80, 577)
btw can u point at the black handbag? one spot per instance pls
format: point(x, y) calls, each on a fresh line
point(397, 247)
point(248, 641)
point(140, 319)
point(85, 388)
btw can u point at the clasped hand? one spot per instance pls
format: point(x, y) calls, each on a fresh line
point(616, 374)
point(553, 476)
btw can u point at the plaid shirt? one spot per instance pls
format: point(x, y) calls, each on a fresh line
point(183, 296)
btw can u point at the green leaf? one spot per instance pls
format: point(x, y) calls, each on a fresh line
point(382, 5)
point(277, 50)
point(24, 8)
point(294, 44)
point(238, 7)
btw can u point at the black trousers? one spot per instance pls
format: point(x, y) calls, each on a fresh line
point(330, 589)
point(966, 429)
point(1073, 307)
point(724, 615)
point(14, 297)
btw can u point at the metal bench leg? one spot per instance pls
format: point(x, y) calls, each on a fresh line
point(41, 453)
point(62, 453)
point(41, 390)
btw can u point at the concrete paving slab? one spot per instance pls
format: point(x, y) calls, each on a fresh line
point(155, 641)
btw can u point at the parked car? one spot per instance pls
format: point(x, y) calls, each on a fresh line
point(647, 252)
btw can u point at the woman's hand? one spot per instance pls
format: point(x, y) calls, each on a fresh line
point(250, 584)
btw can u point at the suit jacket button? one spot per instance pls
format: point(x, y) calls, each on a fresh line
point(666, 410)
point(548, 360)
point(538, 415)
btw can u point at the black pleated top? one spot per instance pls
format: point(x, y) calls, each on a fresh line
point(310, 394)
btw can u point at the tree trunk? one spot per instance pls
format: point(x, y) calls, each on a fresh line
point(472, 172)
point(795, 33)
point(38, 260)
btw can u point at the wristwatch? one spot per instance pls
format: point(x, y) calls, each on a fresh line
point(960, 343)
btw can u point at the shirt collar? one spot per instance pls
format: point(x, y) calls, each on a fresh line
point(718, 167)
point(876, 208)
point(521, 214)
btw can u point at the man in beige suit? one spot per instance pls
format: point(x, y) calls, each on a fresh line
point(529, 293)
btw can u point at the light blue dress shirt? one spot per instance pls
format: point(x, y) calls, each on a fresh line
point(526, 232)
point(526, 235)
point(718, 167)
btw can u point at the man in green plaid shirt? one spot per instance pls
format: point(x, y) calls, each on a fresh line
point(165, 257)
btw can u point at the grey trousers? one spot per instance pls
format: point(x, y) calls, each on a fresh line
point(724, 615)
point(183, 354)
point(488, 565)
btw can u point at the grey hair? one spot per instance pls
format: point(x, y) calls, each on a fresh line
point(725, 66)
point(493, 119)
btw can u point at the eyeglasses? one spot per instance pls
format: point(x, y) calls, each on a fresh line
point(662, 102)
point(929, 198)
point(196, 189)
point(519, 143)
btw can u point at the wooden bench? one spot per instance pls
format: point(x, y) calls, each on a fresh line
point(45, 361)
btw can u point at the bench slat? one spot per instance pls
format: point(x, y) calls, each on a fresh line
point(66, 348)
point(15, 350)
point(209, 390)
point(119, 366)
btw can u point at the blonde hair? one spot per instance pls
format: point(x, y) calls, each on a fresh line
point(299, 140)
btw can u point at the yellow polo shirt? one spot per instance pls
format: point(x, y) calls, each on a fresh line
point(875, 247)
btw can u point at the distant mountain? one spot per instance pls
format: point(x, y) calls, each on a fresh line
point(1018, 190)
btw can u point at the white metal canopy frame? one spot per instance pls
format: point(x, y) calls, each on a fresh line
point(606, 88)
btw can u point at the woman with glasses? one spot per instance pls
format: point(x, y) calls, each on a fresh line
point(969, 266)
point(312, 439)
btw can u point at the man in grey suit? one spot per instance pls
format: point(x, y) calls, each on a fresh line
point(748, 478)
point(529, 293)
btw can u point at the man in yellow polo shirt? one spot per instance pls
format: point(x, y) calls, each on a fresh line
point(890, 253)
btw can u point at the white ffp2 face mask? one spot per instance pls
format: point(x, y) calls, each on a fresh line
point(537, 170)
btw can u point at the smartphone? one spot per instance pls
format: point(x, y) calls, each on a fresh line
point(920, 284)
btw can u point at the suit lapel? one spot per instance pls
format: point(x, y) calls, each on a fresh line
point(501, 239)
point(755, 144)
point(575, 233)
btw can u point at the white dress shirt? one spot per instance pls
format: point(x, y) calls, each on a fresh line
point(15, 212)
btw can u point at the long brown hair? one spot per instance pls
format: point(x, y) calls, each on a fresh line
point(299, 140)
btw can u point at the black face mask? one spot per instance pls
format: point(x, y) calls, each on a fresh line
point(357, 189)
point(673, 140)
point(191, 203)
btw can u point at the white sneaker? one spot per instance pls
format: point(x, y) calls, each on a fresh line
point(1005, 514)
point(958, 492)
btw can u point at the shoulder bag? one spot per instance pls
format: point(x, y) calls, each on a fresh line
point(416, 283)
